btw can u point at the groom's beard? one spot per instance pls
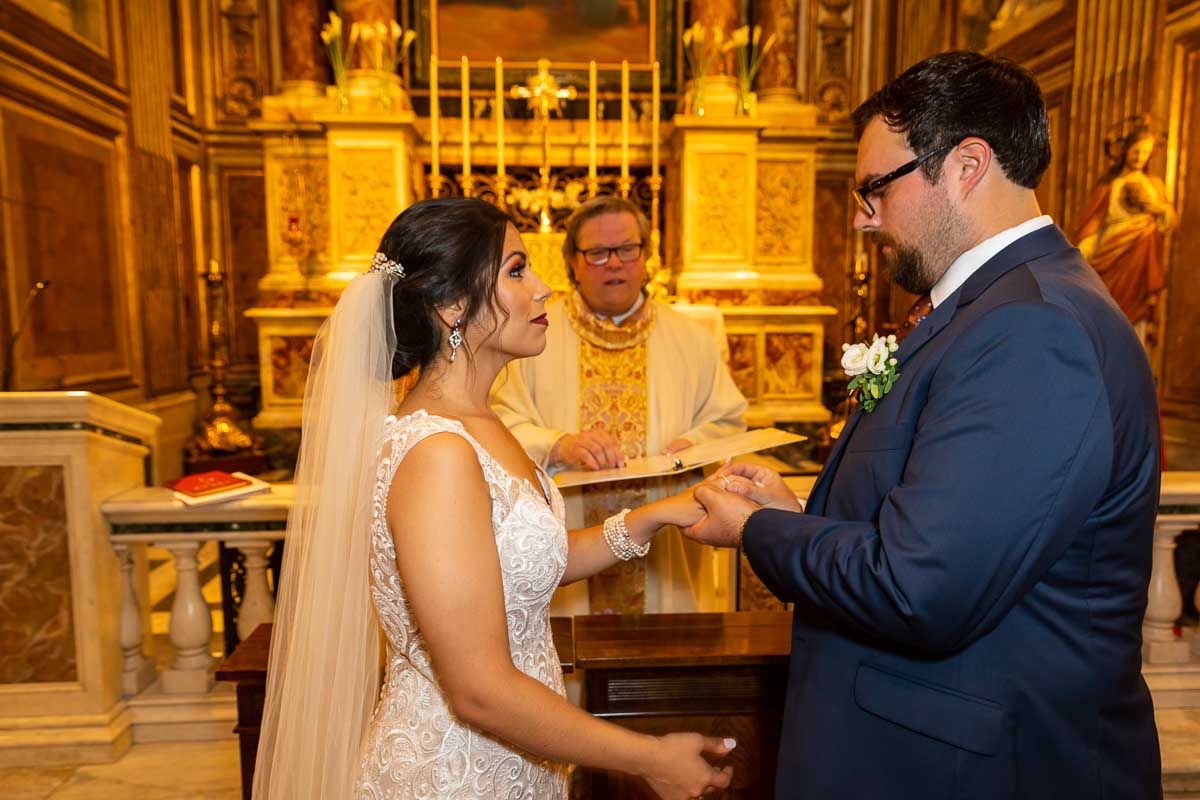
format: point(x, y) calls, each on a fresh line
point(917, 267)
point(905, 266)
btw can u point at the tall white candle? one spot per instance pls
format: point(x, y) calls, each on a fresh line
point(592, 120)
point(624, 119)
point(466, 117)
point(654, 101)
point(435, 164)
point(499, 117)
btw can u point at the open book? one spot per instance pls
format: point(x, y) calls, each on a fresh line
point(695, 456)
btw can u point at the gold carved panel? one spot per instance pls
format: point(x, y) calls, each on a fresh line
point(35, 577)
point(303, 198)
point(719, 209)
point(365, 182)
point(784, 210)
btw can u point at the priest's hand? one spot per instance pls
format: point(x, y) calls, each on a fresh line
point(676, 445)
point(725, 516)
point(758, 483)
point(590, 449)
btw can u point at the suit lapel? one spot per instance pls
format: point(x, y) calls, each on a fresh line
point(820, 490)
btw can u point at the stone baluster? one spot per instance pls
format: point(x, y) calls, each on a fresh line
point(137, 671)
point(257, 605)
point(191, 625)
point(1160, 645)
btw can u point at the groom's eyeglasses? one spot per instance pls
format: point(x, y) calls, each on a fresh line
point(862, 195)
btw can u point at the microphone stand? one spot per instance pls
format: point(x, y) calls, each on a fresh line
point(10, 348)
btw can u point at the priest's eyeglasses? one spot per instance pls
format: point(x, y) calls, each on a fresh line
point(599, 256)
point(862, 195)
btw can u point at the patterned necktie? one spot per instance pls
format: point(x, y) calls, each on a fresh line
point(916, 315)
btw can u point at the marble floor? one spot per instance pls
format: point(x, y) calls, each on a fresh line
point(175, 771)
point(210, 770)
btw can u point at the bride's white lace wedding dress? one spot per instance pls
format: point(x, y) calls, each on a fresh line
point(415, 747)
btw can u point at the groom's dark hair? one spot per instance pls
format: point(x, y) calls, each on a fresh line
point(944, 99)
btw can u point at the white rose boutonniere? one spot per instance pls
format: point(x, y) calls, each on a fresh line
point(871, 369)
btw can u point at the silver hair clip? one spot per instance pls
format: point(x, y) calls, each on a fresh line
point(381, 263)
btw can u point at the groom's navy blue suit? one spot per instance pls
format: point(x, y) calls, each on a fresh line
point(971, 575)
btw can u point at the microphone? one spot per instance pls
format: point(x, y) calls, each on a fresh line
point(10, 350)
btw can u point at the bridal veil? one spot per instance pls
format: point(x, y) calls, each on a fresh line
point(323, 673)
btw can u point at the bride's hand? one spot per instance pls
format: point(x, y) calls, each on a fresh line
point(679, 770)
point(680, 510)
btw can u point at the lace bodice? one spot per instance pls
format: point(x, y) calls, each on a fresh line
point(415, 747)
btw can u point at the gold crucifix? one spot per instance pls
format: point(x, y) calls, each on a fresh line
point(545, 97)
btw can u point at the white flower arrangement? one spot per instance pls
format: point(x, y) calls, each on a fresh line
point(871, 369)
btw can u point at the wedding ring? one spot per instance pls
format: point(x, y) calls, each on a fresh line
point(725, 482)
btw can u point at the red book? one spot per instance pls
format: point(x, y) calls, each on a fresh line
point(206, 483)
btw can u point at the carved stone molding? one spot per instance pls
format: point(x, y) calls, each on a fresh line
point(241, 59)
point(834, 52)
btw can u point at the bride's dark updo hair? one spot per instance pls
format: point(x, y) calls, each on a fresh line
point(450, 249)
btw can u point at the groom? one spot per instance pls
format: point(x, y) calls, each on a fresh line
point(971, 573)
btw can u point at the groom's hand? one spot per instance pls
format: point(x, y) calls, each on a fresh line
point(762, 485)
point(727, 513)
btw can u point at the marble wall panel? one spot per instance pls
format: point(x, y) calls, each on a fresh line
point(788, 364)
point(244, 200)
point(289, 365)
point(189, 266)
point(37, 637)
point(743, 362)
point(833, 255)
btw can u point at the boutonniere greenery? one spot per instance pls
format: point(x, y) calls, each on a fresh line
point(871, 369)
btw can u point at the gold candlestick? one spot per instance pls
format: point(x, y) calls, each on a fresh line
point(466, 127)
point(593, 185)
point(435, 176)
point(625, 183)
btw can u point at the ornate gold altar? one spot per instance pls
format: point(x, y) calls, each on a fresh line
point(730, 197)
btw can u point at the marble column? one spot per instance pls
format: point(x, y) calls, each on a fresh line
point(778, 76)
point(367, 12)
point(305, 66)
point(718, 13)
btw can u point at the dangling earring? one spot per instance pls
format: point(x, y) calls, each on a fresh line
point(455, 340)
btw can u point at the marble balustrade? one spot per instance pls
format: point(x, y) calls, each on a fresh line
point(150, 516)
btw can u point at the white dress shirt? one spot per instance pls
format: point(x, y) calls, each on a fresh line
point(965, 265)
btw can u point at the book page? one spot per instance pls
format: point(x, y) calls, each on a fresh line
point(695, 456)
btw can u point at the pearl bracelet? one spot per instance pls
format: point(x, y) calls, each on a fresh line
point(617, 537)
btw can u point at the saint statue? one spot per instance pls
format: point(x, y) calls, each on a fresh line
point(1121, 230)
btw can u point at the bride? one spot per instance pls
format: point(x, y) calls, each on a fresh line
point(433, 526)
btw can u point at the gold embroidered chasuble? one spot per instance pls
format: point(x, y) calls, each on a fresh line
point(614, 397)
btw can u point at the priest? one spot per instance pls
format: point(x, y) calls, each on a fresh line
point(623, 376)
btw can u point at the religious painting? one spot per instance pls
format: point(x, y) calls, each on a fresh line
point(569, 33)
